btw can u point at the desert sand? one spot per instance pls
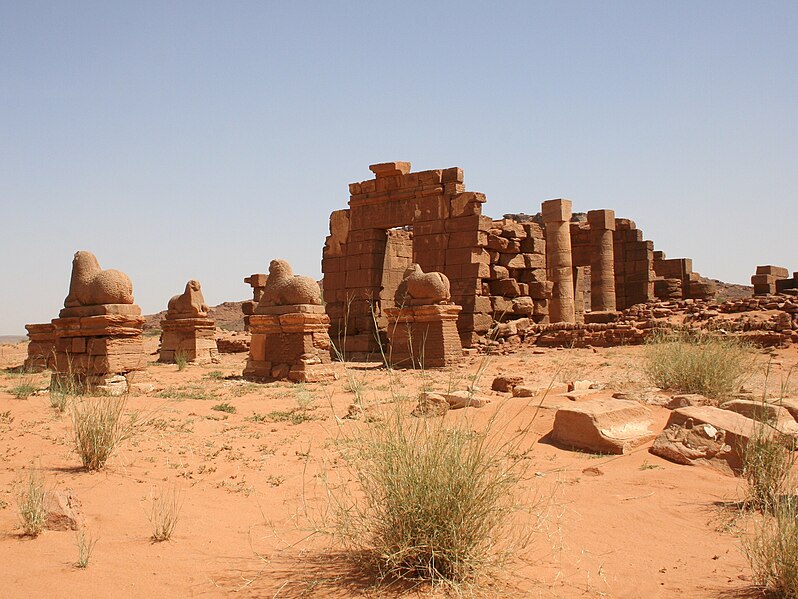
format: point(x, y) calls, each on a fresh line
point(251, 483)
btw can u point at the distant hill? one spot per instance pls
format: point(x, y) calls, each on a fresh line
point(731, 291)
point(12, 339)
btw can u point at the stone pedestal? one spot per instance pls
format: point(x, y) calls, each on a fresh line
point(289, 342)
point(41, 347)
point(194, 338)
point(424, 336)
point(94, 344)
point(559, 262)
point(257, 281)
point(602, 260)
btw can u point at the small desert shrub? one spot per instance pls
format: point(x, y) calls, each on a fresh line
point(164, 510)
point(435, 496)
point(772, 550)
point(181, 359)
point(697, 362)
point(85, 545)
point(767, 467)
point(23, 390)
point(294, 416)
point(31, 495)
point(62, 388)
point(224, 407)
point(99, 426)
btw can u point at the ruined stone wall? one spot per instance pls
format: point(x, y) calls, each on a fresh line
point(634, 265)
point(517, 285)
point(553, 266)
point(449, 235)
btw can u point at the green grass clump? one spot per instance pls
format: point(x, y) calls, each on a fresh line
point(697, 362)
point(23, 390)
point(181, 359)
point(224, 407)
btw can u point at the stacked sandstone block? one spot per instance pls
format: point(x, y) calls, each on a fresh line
point(424, 336)
point(187, 331)
point(290, 330)
point(516, 285)
point(422, 326)
point(634, 265)
point(96, 343)
point(289, 342)
point(98, 334)
point(593, 257)
point(257, 281)
point(770, 280)
point(41, 346)
point(677, 280)
point(449, 235)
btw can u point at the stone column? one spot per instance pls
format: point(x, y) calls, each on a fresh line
point(602, 260)
point(559, 264)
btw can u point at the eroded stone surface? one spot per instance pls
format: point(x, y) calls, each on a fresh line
point(603, 425)
point(92, 286)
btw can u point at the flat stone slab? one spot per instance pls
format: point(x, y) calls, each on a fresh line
point(776, 415)
point(739, 429)
point(788, 403)
point(603, 425)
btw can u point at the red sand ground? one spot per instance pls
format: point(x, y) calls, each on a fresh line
point(610, 526)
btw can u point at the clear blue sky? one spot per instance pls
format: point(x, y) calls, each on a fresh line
point(183, 140)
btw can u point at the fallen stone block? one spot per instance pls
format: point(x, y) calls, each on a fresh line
point(63, 510)
point(788, 403)
point(691, 443)
point(603, 425)
point(738, 428)
point(505, 384)
point(525, 391)
point(464, 399)
point(582, 385)
point(430, 404)
point(775, 415)
point(687, 400)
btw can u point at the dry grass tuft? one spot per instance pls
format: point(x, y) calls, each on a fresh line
point(436, 497)
point(31, 495)
point(767, 468)
point(163, 514)
point(772, 550)
point(698, 362)
point(99, 426)
point(85, 544)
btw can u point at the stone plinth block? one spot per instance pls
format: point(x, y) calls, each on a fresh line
point(94, 349)
point(603, 425)
point(424, 336)
point(289, 342)
point(193, 338)
point(777, 271)
point(390, 169)
point(556, 210)
point(601, 219)
point(41, 346)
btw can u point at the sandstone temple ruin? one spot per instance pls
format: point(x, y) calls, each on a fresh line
point(552, 267)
